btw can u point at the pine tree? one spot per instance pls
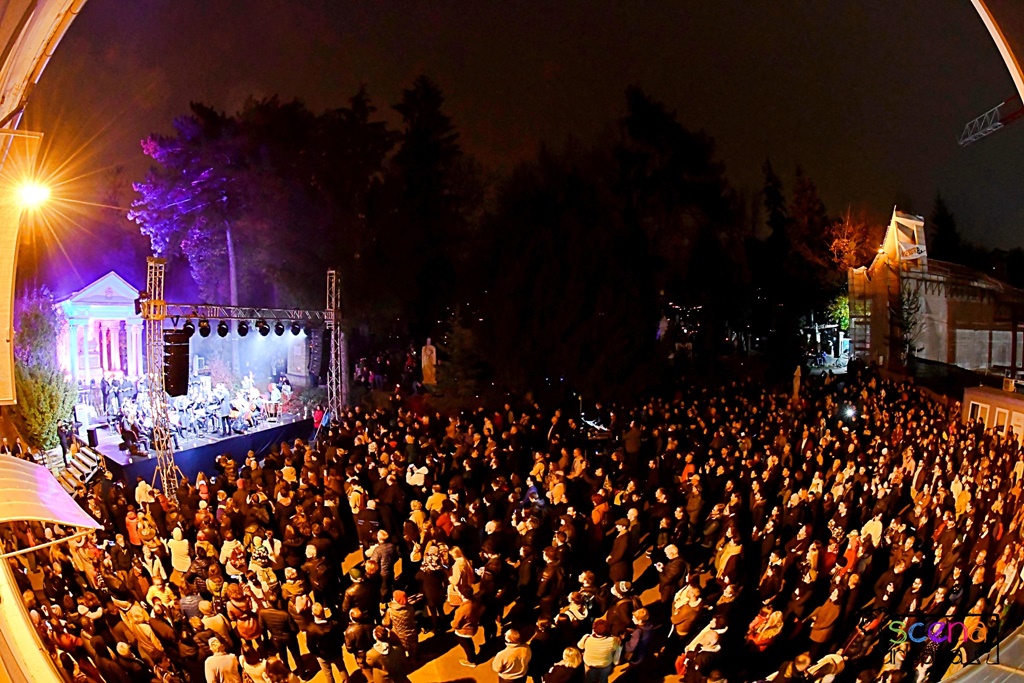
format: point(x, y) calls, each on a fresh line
point(945, 242)
point(459, 375)
point(774, 203)
point(45, 396)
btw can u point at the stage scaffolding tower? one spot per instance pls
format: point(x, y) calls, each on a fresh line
point(154, 310)
point(337, 377)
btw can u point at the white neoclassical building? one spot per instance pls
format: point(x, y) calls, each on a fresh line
point(104, 335)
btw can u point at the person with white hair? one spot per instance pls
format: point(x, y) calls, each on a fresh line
point(221, 666)
point(512, 662)
point(670, 573)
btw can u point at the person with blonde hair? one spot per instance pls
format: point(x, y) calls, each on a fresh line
point(566, 670)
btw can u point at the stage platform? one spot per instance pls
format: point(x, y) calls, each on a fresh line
point(199, 454)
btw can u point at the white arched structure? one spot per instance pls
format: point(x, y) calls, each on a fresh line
point(29, 33)
point(999, 38)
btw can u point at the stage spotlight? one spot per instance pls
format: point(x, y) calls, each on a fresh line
point(204, 328)
point(223, 328)
point(262, 327)
point(189, 328)
point(243, 328)
point(296, 328)
point(279, 328)
point(308, 329)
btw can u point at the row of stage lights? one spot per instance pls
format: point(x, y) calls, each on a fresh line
point(223, 328)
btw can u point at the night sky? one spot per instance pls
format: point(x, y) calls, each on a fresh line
point(868, 97)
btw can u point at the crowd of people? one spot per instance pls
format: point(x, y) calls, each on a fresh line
point(723, 534)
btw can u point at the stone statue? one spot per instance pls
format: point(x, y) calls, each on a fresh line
point(428, 361)
point(796, 385)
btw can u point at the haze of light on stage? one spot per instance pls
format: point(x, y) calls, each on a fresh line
point(238, 386)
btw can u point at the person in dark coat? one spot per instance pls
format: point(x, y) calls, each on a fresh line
point(367, 524)
point(282, 632)
point(551, 584)
point(620, 561)
point(361, 595)
point(670, 574)
point(324, 638)
point(359, 638)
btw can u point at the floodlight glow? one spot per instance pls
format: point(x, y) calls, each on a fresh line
point(851, 411)
point(32, 195)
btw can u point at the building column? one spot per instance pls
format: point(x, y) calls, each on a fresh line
point(129, 334)
point(86, 355)
point(73, 351)
point(108, 358)
point(115, 345)
point(135, 349)
point(101, 346)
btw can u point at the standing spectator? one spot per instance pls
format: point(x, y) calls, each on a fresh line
point(325, 638)
point(601, 651)
point(400, 617)
point(385, 659)
point(466, 622)
point(385, 555)
point(221, 666)
point(511, 663)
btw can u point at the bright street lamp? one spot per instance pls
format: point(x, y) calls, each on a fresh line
point(32, 195)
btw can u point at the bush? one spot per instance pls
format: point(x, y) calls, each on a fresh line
point(45, 397)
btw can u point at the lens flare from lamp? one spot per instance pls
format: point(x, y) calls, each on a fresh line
point(33, 195)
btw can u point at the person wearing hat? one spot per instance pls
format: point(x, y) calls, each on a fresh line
point(512, 663)
point(400, 617)
point(620, 564)
point(361, 595)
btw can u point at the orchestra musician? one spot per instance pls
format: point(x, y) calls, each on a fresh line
point(199, 410)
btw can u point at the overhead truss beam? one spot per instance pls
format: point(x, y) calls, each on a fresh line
point(214, 312)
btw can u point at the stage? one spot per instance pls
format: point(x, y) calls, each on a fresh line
point(198, 454)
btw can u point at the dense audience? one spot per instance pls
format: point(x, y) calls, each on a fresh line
point(729, 534)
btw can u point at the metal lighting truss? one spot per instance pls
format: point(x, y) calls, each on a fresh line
point(336, 393)
point(998, 117)
point(154, 311)
point(215, 312)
